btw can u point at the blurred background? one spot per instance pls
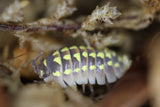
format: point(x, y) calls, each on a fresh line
point(127, 26)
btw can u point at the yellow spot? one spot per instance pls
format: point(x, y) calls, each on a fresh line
point(68, 71)
point(77, 56)
point(113, 53)
point(45, 63)
point(108, 55)
point(55, 53)
point(109, 63)
point(41, 72)
point(90, 48)
point(84, 68)
point(57, 73)
point(119, 59)
point(100, 54)
point(58, 60)
point(73, 47)
point(81, 47)
point(101, 66)
point(92, 55)
point(67, 57)
point(77, 69)
point(64, 49)
point(92, 67)
point(116, 64)
point(85, 54)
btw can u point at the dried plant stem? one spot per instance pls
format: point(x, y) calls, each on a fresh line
point(27, 28)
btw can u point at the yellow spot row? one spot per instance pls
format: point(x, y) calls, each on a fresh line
point(84, 68)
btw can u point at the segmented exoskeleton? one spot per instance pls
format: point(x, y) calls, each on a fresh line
point(82, 65)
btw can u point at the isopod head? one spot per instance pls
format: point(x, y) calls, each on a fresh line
point(40, 69)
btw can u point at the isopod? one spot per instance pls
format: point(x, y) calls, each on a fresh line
point(81, 65)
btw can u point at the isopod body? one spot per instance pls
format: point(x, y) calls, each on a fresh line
point(82, 65)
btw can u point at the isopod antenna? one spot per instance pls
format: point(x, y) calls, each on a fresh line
point(35, 60)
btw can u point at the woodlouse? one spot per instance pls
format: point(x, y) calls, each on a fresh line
point(82, 65)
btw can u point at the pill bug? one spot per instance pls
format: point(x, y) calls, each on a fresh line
point(82, 65)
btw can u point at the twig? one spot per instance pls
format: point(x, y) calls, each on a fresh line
point(12, 27)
